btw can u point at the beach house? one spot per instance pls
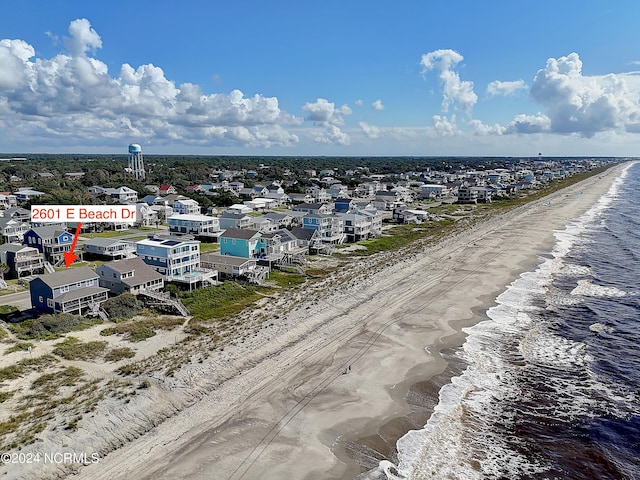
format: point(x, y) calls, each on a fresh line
point(75, 290)
point(330, 228)
point(52, 241)
point(186, 206)
point(194, 224)
point(243, 243)
point(170, 256)
point(21, 259)
point(130, 275)
point(234, 220)
point(110, 248)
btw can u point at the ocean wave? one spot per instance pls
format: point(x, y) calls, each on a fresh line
point(587, 289)
point(513, 361)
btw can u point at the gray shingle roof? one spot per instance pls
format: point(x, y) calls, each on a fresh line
point(242, 233)
point(68, 276)
point(80, 293)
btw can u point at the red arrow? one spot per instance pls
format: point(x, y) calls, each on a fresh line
point(70, 257)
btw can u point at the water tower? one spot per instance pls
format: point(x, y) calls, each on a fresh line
point(136, 165)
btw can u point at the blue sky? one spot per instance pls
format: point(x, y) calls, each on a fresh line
point(373, 77)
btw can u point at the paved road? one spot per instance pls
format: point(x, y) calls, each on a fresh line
point(22, 300)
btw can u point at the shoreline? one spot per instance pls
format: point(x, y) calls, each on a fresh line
point(366, 439)
point(289, 398)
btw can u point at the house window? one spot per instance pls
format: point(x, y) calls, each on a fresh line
point(40, 298)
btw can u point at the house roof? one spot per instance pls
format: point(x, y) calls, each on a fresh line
point(236, 216)
point(309, 206)
point(278, 217)
point(303, 233)
point(382, 193)
point(262, 219)
point(284, 235)
point(225, 259)
point(143, 273)
point(124, 189)
point(14, 247)
point(192, 217)
point(79, 293)
point(17, 212)
point(103, 242)
point(241, 233)
point(166, 241)
point(48, 231)
point(68, 276)
point(186, 201)
point(4, 221)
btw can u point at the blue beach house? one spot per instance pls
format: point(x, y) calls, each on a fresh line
point(243, 243)
point(51, 241)
point(75, 290)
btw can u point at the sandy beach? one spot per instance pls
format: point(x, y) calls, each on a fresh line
point(335, 367)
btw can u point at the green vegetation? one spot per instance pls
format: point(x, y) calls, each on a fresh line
point(26, 366)
point(209, 247)
point(124, 306)
point(73, 349)
point(6, 310)
point(52, 382)
point(18, 347)
point(4, 396)
point(286, 279)
point(138, 330)
point(117, 354)
point(105, 234)
point(51, 326)
point(221, 301)
point(400, 236)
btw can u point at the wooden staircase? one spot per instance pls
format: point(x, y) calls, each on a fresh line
point(164, 299)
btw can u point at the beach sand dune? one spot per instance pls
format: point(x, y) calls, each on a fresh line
point(338, 366)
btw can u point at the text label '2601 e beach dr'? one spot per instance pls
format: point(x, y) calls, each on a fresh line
point(83, 213)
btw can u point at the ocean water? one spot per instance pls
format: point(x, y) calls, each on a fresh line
point(550, 387)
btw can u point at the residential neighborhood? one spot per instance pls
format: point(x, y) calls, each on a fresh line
point(265, 225)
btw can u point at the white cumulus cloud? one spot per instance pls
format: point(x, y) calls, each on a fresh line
point(72, 96)
point(377, 105)
point(586, 104)
point(454, 90)
point(445, 127)
point(523, 123)
point(332, 135)
point(370, 131)
point(505, 88)
point(83, 37)
point(324, 113)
